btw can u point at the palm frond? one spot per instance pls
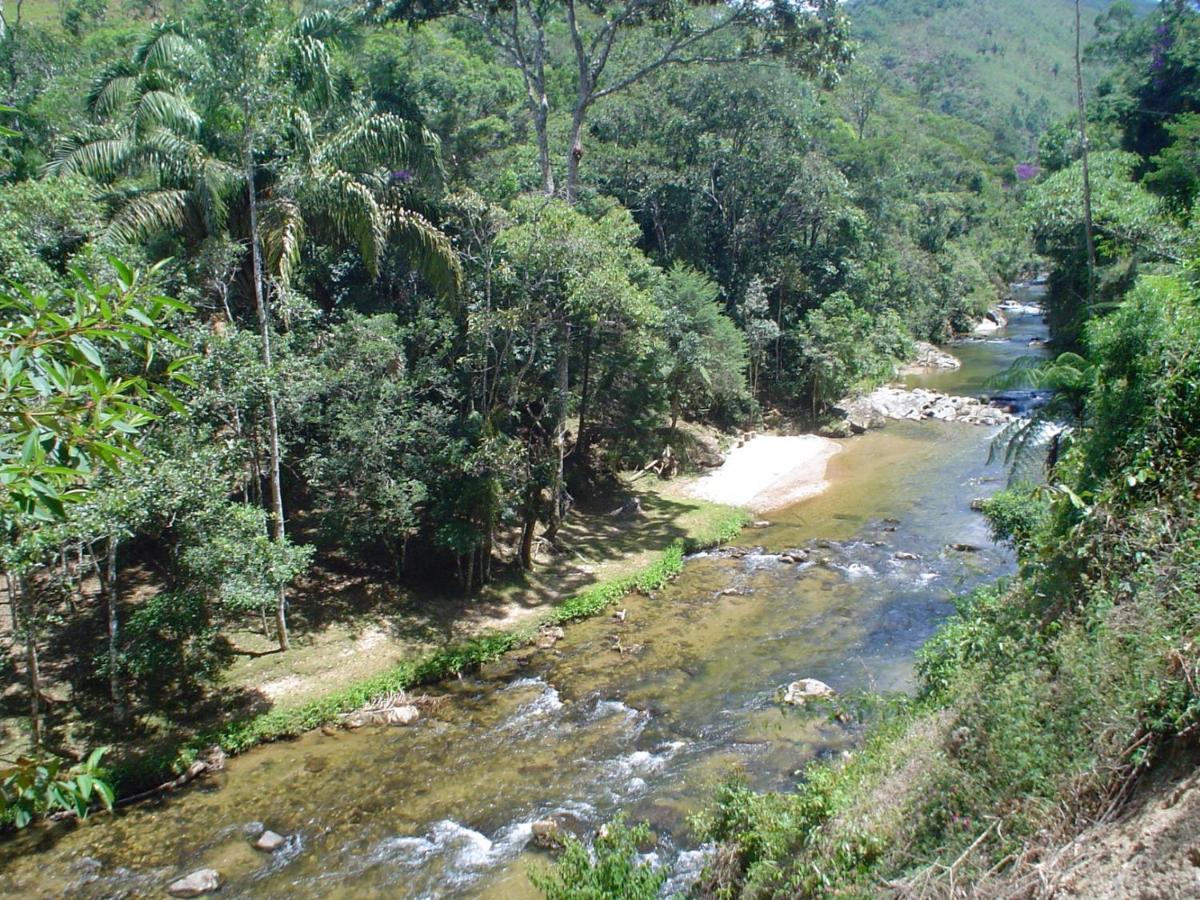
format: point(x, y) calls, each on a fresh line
point(166, 45)
point(165, 109)
point(307, 62)
point(323, 24)
point(167, 158)
point(386, 140)
point(427, 250)
point(102, 159)
point(216, 186)
point(348, 211)
point(282, 235)
point(150, 213)
point(112, 89)
point(300, 130)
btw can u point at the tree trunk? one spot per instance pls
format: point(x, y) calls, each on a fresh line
point(32, 668)
point(575, 153)
point(581, 439)
point(1081, 105)
point(527, 533)
point(264, 327)
point(562, 372)
point(541, 115)
point(108, 586)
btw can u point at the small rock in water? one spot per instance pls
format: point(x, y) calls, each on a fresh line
point(546, 834)
point(549, 636)
point(328, 730)
point(759, 523)
point(793, 556)
point(202, 881)
point(965, 548)
point(798, 693)
point(905, 555)
point(270, 841)
point(977, 504)
point(401, 715)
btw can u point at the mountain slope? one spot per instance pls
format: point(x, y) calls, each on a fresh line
point(1005, 65)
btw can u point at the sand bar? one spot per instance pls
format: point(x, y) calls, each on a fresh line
point(769, 472)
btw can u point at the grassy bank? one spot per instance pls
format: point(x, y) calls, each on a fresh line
point(712, 525)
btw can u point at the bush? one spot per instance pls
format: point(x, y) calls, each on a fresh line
point(609, 870)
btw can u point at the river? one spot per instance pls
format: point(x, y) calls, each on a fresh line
point(444, 808)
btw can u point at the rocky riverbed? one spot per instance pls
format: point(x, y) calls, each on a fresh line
point(858, 414)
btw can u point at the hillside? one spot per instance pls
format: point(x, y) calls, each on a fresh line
point(1004, 65)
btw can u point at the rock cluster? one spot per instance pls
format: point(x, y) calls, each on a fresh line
point(798, 693)
point(993, 321)
point(874, 409)
point(930, 357)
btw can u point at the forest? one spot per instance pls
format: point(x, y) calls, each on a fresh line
point(397, 294)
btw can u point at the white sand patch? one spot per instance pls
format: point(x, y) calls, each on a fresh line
point(769, 472)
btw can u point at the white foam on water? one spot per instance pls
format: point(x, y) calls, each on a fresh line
point(687, 868)
point(605, 708)
point(464, 853)
point(521, 684)
point(537, 711)
point(855, 571)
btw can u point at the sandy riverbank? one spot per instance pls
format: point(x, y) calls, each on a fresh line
point(769, 472)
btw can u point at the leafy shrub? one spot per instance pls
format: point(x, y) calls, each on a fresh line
point(609, 870)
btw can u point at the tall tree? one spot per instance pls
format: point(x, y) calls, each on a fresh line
point(278, 172)
point(1081, 107)
point(614, 44)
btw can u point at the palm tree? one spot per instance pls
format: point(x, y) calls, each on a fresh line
point(1070, 378)
point(332, 181)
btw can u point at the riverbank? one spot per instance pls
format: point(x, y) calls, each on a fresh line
point(341, 667)
point(340, 670)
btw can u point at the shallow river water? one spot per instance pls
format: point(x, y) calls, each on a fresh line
point(444, 808)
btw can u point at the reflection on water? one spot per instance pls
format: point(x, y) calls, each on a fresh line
point(645, 714)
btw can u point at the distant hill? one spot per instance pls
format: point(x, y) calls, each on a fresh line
point(1005, 65)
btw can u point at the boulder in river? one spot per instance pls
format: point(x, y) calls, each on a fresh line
point(549, 635)
point(872, 410)
point(993, 321)
point(547, 834)
point(198, 883)
point(930, 357)
point(798, 693)
point(270, 841)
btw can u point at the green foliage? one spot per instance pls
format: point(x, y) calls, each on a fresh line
point(173, 649)
point(707, 355)
point(43, 225)
point(846, 348)
point(608, 870)
point(1132, 228)
point(277, 724)
point(1042, 698)
point(1016, 516)
point(34, 786)
point(66, 413)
